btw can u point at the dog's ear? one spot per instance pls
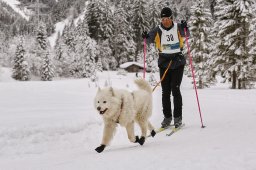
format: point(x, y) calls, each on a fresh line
point(99, 89)
point(112, 91)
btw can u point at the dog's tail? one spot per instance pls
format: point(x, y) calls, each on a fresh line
point(143, 84)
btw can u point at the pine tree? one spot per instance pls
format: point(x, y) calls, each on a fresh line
point(83, 64)
point(106, 20)
point(100, 20)
point(234, 18)
point(122, 42)
point(140, 23)
point(41, 36)
point(212, 5)
point(69, 36)
point(92, 18)
point(20, 67)
point(62, 58)
point(4, 45)
point(41, 45)
point(200, 44)
point(47, 70)
point(106, 56)
point(154, 14)
point(151, 59)
point(89, 67)
point(251, 60)
point(99, 65)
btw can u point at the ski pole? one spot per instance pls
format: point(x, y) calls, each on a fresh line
point(144, 71)
point(193, 75)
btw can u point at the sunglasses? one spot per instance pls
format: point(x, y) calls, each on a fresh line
point(166, 18)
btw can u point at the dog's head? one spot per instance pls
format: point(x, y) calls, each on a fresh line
point(103, 102)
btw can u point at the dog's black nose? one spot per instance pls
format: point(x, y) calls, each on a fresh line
point(98, 108)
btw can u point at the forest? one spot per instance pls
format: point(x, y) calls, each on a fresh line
point(102, 35)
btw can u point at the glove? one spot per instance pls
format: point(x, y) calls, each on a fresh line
point(100, 148)
point(184, 24)
point(145, 34)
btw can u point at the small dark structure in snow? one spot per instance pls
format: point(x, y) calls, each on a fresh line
point(132, 67)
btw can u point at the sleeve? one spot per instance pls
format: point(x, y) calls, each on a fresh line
point(182, 31)
point(152, 35)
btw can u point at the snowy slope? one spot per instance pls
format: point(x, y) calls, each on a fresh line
point(13, 4)
point(53, 125)
point(59, 27)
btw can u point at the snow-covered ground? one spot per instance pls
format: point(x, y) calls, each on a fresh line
point(53, 125)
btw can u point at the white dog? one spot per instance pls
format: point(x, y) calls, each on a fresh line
point(124, 107)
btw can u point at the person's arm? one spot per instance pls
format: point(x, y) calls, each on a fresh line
point(150, 36)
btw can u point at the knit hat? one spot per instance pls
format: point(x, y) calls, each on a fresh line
point(166, 12)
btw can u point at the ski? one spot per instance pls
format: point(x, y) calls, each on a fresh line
point(174, 130)
point(161, 129)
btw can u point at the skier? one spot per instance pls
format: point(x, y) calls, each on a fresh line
point(168, 38)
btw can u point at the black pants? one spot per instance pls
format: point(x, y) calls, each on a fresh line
point(171, 85)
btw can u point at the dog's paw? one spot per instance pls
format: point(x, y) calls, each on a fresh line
point(153, 133)
point(100, 148)
point(142, 140)
point(137, 139)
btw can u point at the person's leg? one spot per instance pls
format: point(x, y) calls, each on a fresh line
point(166, 98)
point(177, 75)
point(166, 94)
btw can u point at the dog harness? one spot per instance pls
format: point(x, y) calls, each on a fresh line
point(121, 108)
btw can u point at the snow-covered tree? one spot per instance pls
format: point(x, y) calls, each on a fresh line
point(99, 66)
point(140, 23)
point(106, 20)
point(20, 66)
point(41, 36)
point(151, 59)
point(66, 54)
point(106, 56)
point(100, 20)
point(91, 17)
point(122, 41)
point(4, 44)
point(62, 58)
point(89, 67)
point(38, 50)
point(83, 64)
point(212, 5)
point(200, 44)
point(47, 70)
point(251, 60)
point(154, 14)
point(234, 20)
point(69, 36)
